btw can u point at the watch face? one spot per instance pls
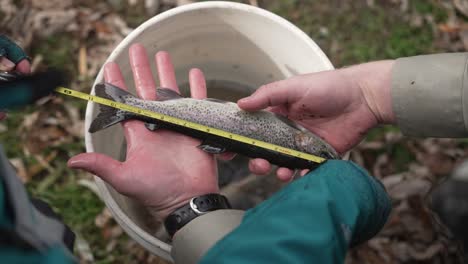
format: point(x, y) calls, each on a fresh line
point(195, 207)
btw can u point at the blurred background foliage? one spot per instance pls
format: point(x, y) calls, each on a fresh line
point(78, 35)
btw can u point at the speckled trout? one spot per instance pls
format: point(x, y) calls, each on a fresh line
point(227, 116)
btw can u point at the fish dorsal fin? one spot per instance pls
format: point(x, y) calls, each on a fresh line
point(287, 121)
point(163, 94)
point(214, 100)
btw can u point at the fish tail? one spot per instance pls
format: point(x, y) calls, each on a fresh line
point(109, 116)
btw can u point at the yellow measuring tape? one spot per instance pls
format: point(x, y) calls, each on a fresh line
point(191, 125)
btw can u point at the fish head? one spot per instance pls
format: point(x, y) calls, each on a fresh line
point(312, 144)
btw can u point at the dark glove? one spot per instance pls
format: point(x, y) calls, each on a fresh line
point(11, 50)
point(18, 88)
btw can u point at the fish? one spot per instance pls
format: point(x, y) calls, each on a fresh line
point(214, 113)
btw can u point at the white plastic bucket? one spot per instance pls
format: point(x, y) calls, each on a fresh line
point(237, 45)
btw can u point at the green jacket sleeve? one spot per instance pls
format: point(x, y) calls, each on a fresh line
point(11, 50)
point(313, 220)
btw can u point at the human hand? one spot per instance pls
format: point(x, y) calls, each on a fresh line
point(340, 106)
point(12, 57)
point(163, 170)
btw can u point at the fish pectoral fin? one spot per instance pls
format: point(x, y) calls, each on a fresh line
point(152, 126)
point(211, 148)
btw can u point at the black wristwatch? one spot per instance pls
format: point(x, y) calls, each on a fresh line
point(197, 206)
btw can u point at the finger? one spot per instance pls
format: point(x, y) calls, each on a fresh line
point(142, 76)
point(304, 172)
point(166, 72)
point(259, 166)
point(226, 156)
point(6, 64)
point(100, 165)
point(113, 75)
point(284, 174)
point(24, 66)
point(197, 84)
point(272, 94)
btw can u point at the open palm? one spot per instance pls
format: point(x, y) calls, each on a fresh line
point(163, 169)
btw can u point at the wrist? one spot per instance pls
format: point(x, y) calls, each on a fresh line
point(197, 206)
point(374, 82)
point(161, 213)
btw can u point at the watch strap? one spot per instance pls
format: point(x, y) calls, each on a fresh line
point(197, 206)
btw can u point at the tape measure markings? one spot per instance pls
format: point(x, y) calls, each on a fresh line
point(188, 124)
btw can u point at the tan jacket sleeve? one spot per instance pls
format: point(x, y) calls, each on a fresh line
point(430, 95)
point(192, 241)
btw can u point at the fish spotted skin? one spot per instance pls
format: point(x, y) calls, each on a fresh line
point(261, 125)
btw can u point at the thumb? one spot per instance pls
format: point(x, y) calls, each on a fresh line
point(24, 66)
point(6, 64)
point(272, 94)
point(103, 166)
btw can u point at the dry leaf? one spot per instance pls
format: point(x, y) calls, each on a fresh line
point(411, 187)
point(103, 218)
point(113, 232)
point(426, 253)
point(51, 4)
point(83, 249)
point(102, 28)
point(82, 62)
point(43, 164)
point(461, 6)
point(47, 23)
point(184, 2)
point(253, 2)
point(152, 7)
point(449, 28)
point(3, 127)
point(463, 34)
point(20, 169)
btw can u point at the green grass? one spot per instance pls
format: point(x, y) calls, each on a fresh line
point(59, 51)
point(358, 33)
point(9, 139)
point(430, 7)
point(77, 205)
point(377, 133)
